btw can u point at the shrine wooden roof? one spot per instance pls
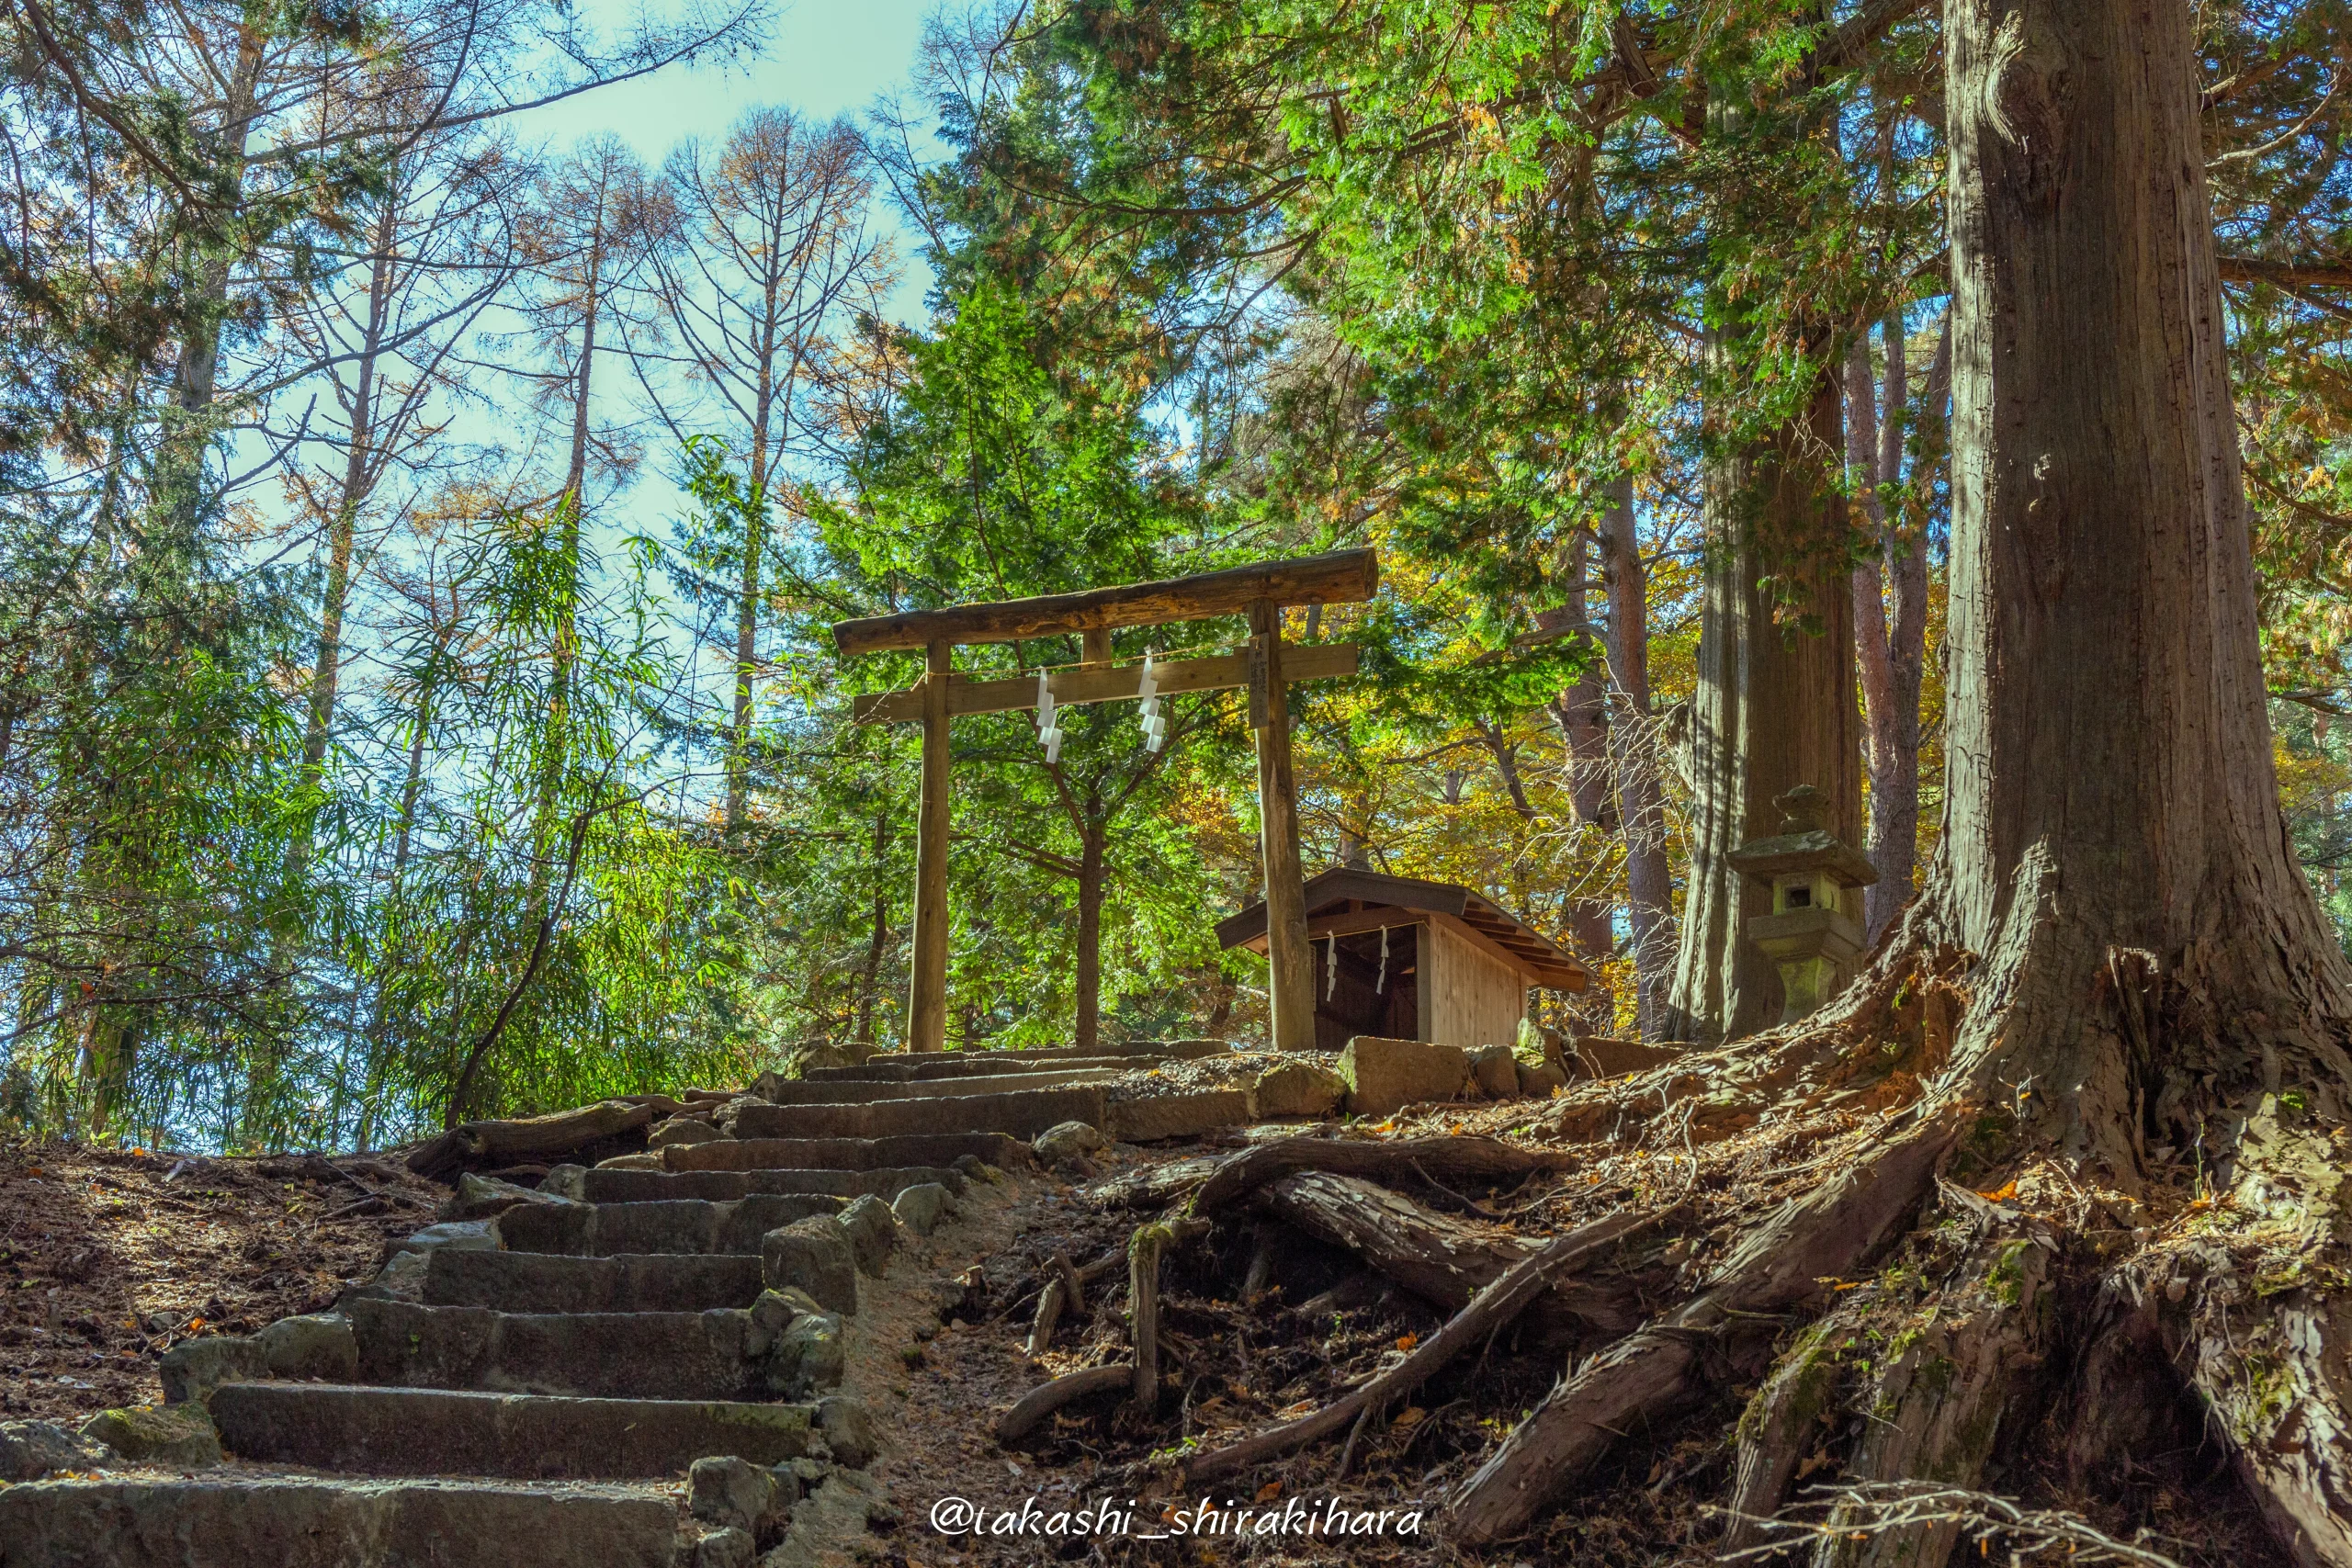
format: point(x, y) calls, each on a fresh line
point(1546, 963)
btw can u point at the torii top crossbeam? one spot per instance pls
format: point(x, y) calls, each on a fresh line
point(1262, 591)
point(1343, 577)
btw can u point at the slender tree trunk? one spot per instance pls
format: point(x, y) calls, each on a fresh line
point(747, 607)
point(870, 977)
point(1774, 708)
point(1641, 795)
point(1092, 877)
point(326, 675)
point(564, 650)
point(179, 465)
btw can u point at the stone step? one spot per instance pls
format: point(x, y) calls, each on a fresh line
point(968, 1064)
point(869, 1091)
point(620, 1355)
point(1023, 1114)
point(1128, 1053)
point(553, 1282)
point(761, 1153)
point(224, 1519)
point(720, 1186)
point(412, 1431)
point(688, 1225)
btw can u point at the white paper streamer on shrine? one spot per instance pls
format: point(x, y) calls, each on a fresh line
point(1381, 985)
point(1155, 723)
point(1049, 730)
point(1331, 968)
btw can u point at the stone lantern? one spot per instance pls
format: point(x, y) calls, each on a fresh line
point(1815, 932)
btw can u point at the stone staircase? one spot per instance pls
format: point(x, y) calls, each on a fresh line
point(527, 1383)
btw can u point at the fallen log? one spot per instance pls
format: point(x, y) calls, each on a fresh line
point(1442, 1259)
point(1491, 1309)
point(1047, 1398)
point(559, 1134)
point(1451, 1159)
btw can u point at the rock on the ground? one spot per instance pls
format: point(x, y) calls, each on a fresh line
point(177, 1435)
point(1385, 1076)
point(486, 1196)
point(725, 1549)
point(1298, 1088)
point(1495, 1069)
point(832, 1518)
point(849, 1430)
point(464, 1235)
point(731, 1492)
point(812, 1255)
point(30, 1450)
point(566, 1182)
point(809, 1357)
point(317, 1344)
point(1067, 1140)
point(650, 1160)
point(684, 1130)
point(873, 1233)
point(918, 1207)
point(194, 1368)
point(1539, 1082)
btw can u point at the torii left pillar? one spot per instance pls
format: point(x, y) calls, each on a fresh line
point(927, 984)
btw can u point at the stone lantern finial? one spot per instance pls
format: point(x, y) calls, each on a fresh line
point(1815, 932)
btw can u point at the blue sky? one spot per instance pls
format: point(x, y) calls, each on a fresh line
point(823, 58)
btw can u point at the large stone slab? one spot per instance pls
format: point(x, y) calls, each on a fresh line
point(545, 1282)
point(852, 1091)
point(935, 1149)
point(1298, 1088)
point(283, 1522)
point(930, 1067)
point(590, 1230)
point(723, 1186)
point(1385, 1076)
point(1600, 1056)
point(1021, 1115)
point(640, 1355)
point(1179, 1115)
point(410, 1431)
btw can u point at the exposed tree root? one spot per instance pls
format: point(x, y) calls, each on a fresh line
point(1942, 1397)
point(1660, 1369)
point(1047, 1398)
point(1444, 1159)
point(1440, 1259)
point(1779, 1426)
point(1491, 1310)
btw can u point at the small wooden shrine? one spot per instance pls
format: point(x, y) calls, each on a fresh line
point(1405, 959)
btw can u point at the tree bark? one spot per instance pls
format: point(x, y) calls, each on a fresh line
point(1092, 876)
point(1634, 763)
point(1774, 708)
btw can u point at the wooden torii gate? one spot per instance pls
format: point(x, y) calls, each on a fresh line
point(1267, 667)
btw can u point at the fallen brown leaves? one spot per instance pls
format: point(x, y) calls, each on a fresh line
point(108, 1258)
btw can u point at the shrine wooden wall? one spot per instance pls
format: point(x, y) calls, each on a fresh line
point(1469, 996)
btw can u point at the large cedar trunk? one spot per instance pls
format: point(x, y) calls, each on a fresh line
point(1774, 708)
point(2116, 989)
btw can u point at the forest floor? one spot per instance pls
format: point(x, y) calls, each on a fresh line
point(1249, 1364)
point(108, 1258)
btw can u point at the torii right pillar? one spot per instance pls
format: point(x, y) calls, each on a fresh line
point(1290, 987)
